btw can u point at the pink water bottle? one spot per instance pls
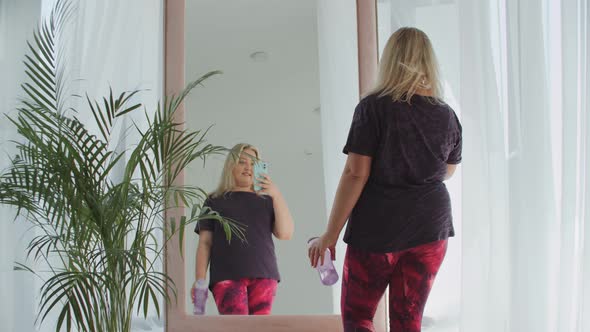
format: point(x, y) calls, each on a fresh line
point(199, 296)
point(327, 271)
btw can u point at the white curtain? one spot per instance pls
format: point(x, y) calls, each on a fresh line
point(486, 228)
point(526, 238)
point(110, 43)
point(517, 72)
point(119, 45)
point(17, 21)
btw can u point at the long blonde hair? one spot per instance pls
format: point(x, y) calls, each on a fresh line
point(227, 182)
point(408, 63)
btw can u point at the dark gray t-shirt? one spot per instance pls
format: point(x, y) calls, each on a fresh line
point(237, 259)
point(405, 202)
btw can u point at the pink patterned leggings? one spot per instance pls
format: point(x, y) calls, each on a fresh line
point(409, 275)
point(248, 296)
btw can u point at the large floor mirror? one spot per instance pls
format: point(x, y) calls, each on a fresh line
point(268, 96)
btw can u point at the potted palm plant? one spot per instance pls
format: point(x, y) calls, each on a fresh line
point(100, 238)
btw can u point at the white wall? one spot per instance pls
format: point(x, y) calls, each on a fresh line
point(337, 30)
point(272, 104)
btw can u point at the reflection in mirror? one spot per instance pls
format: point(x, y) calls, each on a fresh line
point(267, 96)
point(439, 20)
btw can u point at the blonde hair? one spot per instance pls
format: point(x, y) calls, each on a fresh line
point(227, 182)
point(408, 63)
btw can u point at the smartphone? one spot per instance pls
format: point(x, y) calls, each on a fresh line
point(260, 168)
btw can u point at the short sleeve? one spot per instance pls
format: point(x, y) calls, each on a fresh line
point(363, 137)
point(206, 224)
point(455, 155)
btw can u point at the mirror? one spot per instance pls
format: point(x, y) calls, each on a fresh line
point(267, 96)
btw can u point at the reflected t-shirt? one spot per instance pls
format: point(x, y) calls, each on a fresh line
point(405, 202)
point(235, 260)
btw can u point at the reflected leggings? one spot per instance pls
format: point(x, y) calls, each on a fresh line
point(248, 296)
point(409, 275)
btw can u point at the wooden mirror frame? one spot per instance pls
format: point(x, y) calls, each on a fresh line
point(176, 318)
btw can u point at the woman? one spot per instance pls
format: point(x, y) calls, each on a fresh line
point(244, 275)
point(403, 143)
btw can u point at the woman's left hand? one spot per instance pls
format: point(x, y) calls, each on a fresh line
point(318, 248)
point(268, 187)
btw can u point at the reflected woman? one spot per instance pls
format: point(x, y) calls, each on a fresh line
point(243, 275)
point(403, 143)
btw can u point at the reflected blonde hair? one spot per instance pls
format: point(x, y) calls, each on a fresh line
point(408, 63)
point(227, 182)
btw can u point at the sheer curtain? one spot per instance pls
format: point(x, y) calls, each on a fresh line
point(17, 21)
point(109, 43)
point(119, 45)
point(526, 229)
point(517, 72)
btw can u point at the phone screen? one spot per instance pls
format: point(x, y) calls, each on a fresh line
point(260, 168)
